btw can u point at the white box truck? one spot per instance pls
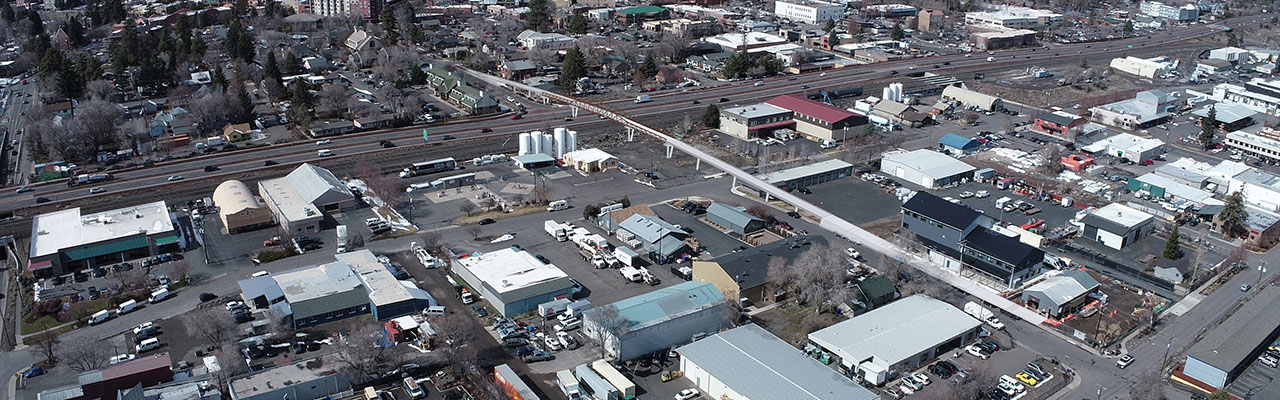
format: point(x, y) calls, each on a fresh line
point(626, 256)
point(576, 308)
point(126, 307)
point(569, 385)
point(342, 238)
point(551, 308)
point(644, 98)
point(983, 314)
point(99, 317)
point(159, 295)
point(556, 230)
point(558, 205)
point(631, 273)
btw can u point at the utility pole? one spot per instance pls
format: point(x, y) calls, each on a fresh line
point(1262, 269)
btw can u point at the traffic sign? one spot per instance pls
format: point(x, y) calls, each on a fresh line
point(424, 135)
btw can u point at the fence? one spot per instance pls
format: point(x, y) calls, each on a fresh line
point(1101, 259)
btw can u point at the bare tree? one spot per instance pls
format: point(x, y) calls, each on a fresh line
point(210, 111)
point(100, 89)
point(1051, 153)
point(460, 346)
point(231, 363)
point(475, 231)
point(334, 97)
point(602, 327)
point(379, 185)
point(96, 123)
point(178, 270)
point(209, 324)
point(85, 354)
point(362, 354)
point(47, 342)
point(541, 194)
point(467, 207)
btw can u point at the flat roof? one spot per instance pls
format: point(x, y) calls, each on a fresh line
point(591, 155)
point(1232, 342)
point(318, 281)
point(1260, 178)
point(1127, 142)
point(1131, 107)
point(758, 365)
point(896, 331)
point(508, 270)
point(756, 110)
point(64, 229)
point(532, 158)
point(1176, 188)
point(284, 376)
point(1121, 214)
point(928, 162)
point(804, 171)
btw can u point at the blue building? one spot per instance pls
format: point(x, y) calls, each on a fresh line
point(957, 145)
point(662, 319)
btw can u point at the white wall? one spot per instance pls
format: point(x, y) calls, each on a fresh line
point(1109, 239)
point(711, 387)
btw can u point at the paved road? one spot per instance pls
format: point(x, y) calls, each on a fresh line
point(664, 105)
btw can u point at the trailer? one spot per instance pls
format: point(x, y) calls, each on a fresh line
point(551, 308)
point(576, 308)
point(341, 233)
point(512, 385)
point(569, 385)
point(595, 385)
point(625, 256)
point(625, 387)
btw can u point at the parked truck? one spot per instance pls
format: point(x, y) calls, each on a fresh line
point(626, 388)
point(576, 308)
point(625, 256)
point(569, 385)
point(631, 273)
point(551, 308)
point(342, 238)
point(556, 230)
point(983, 314)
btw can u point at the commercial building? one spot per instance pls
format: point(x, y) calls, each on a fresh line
point(960, 237)
point(1161, 186)
point(66, 241)
point(1127, 146)
point(663, 241)
point(512, 281)
point(1142, 67)
point(742, 41)
point(809, 175)
point(1062, 294)
point(661, 319)
point(1229, 54)
point(531, 39)
point(684, 26)
point(1265, 144)
point(239, 210)
point(957, 145)
point(1059, 123)
point(995, 39)
point(1185, 13)
point(1117, 225)
point(816, 120)
point(734, 219)
point(750, 363)
point(1259, 94)
point(926, 168)
point(1145, 110)
point(1224, 352)
point(1228, 116)
point(1003, 261)
point(300, 199)
point(744, 274)
point(591, 160)
point(106, 383)
point(1212, 66)
point(889, 10)
point(312, 378)
point(754, 121)
point(809, 11)
point(897, 338)
point(638, 14)
point(388, 297)
point(1013, 18)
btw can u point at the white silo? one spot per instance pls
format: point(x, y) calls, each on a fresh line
point(535, 142)
point(548, 144)
point(572, 144)
point(887, 92)
point(559, 138)
point(524, 143)
point(897, 91)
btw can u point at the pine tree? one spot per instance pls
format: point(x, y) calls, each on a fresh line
point(896, 33)
point(578, 24)
point(1172, 247)
point(711, 117)
point(1233, 216)
point(831, 25)
point(271, 69)
point(650, 67)
point(292, 65)
point(390, 32)
point(300, 96)
point(52, 61)
point(833, 39)
point(575, 67)
point(241, 7)
point(539, 16)
point(1208, 127)
point(736, 65)
point(245, 113)
point(37, 24)
point(1128, 26)
point(75, 32)
point(219, 78)
point(8, 14)
point(70, 85)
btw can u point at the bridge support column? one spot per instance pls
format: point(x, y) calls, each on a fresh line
point(697, 165)
point(574, 111)
point(734, 185)
point(670, 149)
point(631, 134)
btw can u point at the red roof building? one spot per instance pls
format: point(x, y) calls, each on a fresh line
point(817, 120)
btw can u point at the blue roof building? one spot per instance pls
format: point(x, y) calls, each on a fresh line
point(956, 144)
point(661, 319)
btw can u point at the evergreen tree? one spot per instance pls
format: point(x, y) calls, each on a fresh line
point(37, 24)
point(1128, 26)
point(8, 14)
point(650, 67)
point(219, 78)
point(75, 32)
point(271, 69)
point(736, 65)
point(1233, 216)
point(575, 67)
point(124, 50)
point(70, 85)
point(51, 62)
point(1209, 127)
point(831, 25)
point(578, 24)
point(833, 39)
point(390, 30)
point(154, 74)
point(1172, 247)
point(711, 117)
point(242, 7)
point(300, 95)
point(292, 65)
point(245, 103)
point(626, 201)
point(197, 48)
point(896, 33)
point(90, 69)
point(539, 16)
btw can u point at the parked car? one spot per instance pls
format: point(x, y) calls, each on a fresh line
point(978, 352)
point(687, 394)
point(1124, 361)
point(538, 355)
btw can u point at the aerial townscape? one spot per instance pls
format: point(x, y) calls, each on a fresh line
point(639, 200)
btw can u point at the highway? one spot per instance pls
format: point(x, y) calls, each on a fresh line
point(666, 106)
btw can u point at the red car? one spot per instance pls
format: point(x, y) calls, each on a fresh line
point(517, 116)
point(1147, 162)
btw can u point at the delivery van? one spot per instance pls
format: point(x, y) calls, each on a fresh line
point(159, 295)
point(99, 317)
point(127, 307)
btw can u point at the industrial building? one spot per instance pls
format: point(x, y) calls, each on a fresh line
point(1161, 186)
point(816, 120)
point(65, 241)
point(809, 11)
point(734, 219)
point(926, 168)
point(1062, 294)
point(312, 378)
point(1228, 116)
point(754, 121)
point(750, 363)
point(1259, 94)
point(300, 199)
point(590, 160)
point(1117, 225)
point(970, 98)
point(1224, 352)
point(105, 383)
point(1127, 146)
point(809, 175)
point(1013, 18)
point(897, 338)
point(555, 144)
point(662, 319)
point(512, 281)
point(355, 283)
point(1184, 13)
point(743, 41)
point(744, 274)
point(958, 145)
point(238, 209)
point(1002, 39)
point(1142, 67)
point(661, 239)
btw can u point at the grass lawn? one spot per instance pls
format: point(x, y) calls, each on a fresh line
point(48, 321)
point(793, 322)
point(497, 215)
point(59, 331)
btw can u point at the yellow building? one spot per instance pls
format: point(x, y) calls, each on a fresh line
point(745, 274)
point(238, 209)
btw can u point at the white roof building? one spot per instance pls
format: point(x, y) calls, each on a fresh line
point(1013, 17)
point(894, 337)
point(924, 167)
point(298, 199)
point(1128, 146)
point(745, 40)
point(67, 238)
point(513, 281)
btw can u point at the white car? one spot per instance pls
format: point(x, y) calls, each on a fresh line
point(910, 381)
point(977, 352)
point(116, 359)
point(852, 253)
point(759, 83)
point(922, 378)
point(553, 342)
point(567, 340)
point(1124, 362)
point(175, 178)
point(1012, 383)
point(966, 194)
point(323, 142)
point(982, 194)
point(234, 304)
point(687, 394)
point(144, 326)
point(97, 190)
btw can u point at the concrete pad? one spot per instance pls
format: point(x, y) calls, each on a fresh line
point(517, 188)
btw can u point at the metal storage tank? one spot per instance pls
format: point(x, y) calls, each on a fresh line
point(572, 144)
point(525, 143)
point(558, 138)
point(548, 144)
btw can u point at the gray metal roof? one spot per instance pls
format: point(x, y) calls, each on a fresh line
point(1065, 287)
point(648, 228)
point(664, 304)
point(1233, 341)
point(317, 185)
point(805, 171)
point(758, 365)
point(896, 331)
point(736, 215)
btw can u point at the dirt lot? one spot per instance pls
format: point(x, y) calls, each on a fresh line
point(794, 323)
point(1125, 309)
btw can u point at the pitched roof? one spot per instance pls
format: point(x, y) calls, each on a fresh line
point(1058, 118)
point(758, 365)
point(954, 215)
point(957, 141)
point(736, 215)
point(1232, 342)
point(312, 182)
point(1007, 249)
point(876, 287)
point(821, 111)
point(750, 267)
point(895, 332)
point(666, 303)
point(1064, 287)
point(623, 214)
point(648, 228)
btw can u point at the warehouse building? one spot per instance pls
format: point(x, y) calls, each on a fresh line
point(239, 210)
point(970, 98)
point(817, 120)
point(1127, 146)
point(926, 168)
point(750, 363)
point(1117, 225)
point(958, 145)
point(734, 219)
point(661, 319)
point(66, 241)
point(1144, 110)
point(661, 239)
point(809, 175)
point(1062, 294)
point(513, 281)
point(745, 274)
point(754, 121)
point(896, 338)
point(312, 378)
point(105, 383)
point(388, 297)
point(1228, 349)
point(300, 199)
point(1227, 116)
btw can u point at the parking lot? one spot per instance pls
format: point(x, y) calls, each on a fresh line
point(1009, 360)
point(859, 202)
point(1257, 382)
